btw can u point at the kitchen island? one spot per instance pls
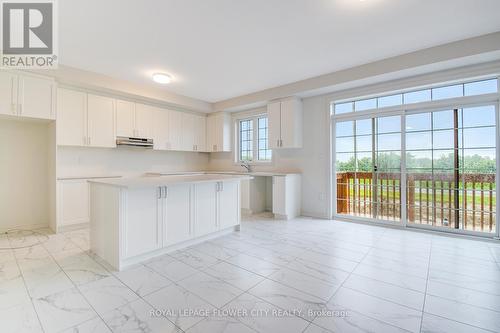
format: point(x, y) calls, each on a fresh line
point(135, 219)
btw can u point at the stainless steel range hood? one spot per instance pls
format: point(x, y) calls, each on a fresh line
point(134, 142)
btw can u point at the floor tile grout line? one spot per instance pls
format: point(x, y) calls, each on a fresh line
point(384, 299)
point(342, 285)
point(463, 303)
point(26, 287)
point(460, 322)
point(390, 283)
point(426, 286)
point(76, 286)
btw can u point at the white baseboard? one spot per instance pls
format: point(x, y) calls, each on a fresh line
point(72, 227)
point(168, 249)
point(24, 227)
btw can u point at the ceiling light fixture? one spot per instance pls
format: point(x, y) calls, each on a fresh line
point(162, 78)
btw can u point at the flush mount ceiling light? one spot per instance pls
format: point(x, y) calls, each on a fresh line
point(162, 78)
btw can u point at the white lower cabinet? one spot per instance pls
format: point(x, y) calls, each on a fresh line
point(287, 196)
point(228, 204)
point(155, 218)
point(177, 226)
point(73, 202)
point(205, 208)
point(143, 220)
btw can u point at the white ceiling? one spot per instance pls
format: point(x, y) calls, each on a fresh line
point(218, 49)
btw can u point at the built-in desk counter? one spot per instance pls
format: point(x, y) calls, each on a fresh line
point(134, 219)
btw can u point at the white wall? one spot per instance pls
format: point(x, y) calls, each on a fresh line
point(87, 162)
point(24, 174)
point(312, 160)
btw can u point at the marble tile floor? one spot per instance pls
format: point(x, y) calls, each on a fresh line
point(303, 275)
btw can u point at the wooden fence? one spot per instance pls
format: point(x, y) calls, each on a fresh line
point(432, 199)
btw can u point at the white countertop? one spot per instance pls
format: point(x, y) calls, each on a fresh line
point(152, 181)
point(240, 173)
point(87, 177)
point(254, 173)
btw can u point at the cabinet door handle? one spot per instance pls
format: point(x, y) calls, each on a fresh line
point(20, 109)
point(13, 108)
point(89, 140)
point(158, 192)
point(84, 140)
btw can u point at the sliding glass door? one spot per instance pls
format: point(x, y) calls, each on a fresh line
point(368, 168)
point(451, 168)
point(448, 159)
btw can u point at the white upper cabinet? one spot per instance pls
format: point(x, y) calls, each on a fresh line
point(219, 132)
point(187, 132)
point(285, 123)
point(134, 120)
point(125, 119)
point(144, 121)
point(36, 97)
point(274, 123)
point(92, 120)
point(101, 121)
point(200, 133)
point(8, 93)
point(85, 119)
point(71, 118)
point(27, 96)
point(161, 135)
point(175, 130)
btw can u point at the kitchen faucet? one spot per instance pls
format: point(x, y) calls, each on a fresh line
point(246, 165)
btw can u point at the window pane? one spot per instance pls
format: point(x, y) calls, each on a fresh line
point(479, 116)
point(444, 159)
point(481, 87)
point(363, 127)
point(344, 128)
point(443, 119)
point(389, 124)
point(343, 108)
point(246, 140)
point(444, 139)
point(417, 96)
point(388, 161)
point(479, 137)
point(480, 160)
point(364, 162)
point(390, 100)
point(389, 142)
point(264, 153)
point(420, 140)
point(447, 92)
point(365, 104)
point(419, 159)
point(364, 143)
point(345, 144)
point(345, 162)
point(418, 122)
